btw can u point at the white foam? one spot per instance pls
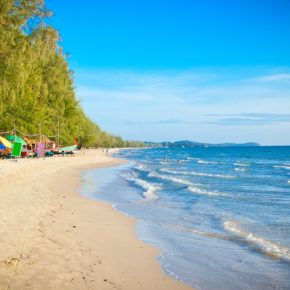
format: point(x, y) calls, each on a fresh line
point(239, 163)
point(192, 158)
point(210, 175)
point(171, 178)
point(206, 162)
point(282, 166)
point(205, 192)
point(198, 173)
point(170, 171)
point(268, 246)
point(149, 187)
point(240, 169)
point(141, 167)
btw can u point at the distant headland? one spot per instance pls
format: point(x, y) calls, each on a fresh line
point(189, 144)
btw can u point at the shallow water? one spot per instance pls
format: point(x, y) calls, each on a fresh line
point(220, 217)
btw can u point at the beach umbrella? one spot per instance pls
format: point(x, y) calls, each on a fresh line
point(2, 147)
point(17, 139)
point(5, 142)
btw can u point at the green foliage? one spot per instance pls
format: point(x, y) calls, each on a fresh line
point(36, 84)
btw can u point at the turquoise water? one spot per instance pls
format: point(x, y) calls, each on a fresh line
point(220, 216)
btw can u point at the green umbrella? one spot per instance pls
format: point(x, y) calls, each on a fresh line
point(17, 139)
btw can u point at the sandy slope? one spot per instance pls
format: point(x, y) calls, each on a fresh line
point(52, 238)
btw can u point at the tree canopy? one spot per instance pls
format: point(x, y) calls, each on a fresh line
point(36, 83)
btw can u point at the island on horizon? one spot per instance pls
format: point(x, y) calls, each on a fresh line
point(191, 144)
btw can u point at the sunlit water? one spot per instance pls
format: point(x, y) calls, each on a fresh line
point(220, 216)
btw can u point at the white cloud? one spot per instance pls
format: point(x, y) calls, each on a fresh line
point(275, 77)
point(115, 99)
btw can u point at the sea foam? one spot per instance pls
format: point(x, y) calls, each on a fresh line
point(149, 187)
point(267, 247)
point(240, 163)
point(240, 169)
point(171, 178)
point(282, 166)
point(206, 162)
point(201, 191)
point(198, 173)
point(141, 167)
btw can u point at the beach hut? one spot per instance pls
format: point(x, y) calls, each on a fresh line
point(31, 143)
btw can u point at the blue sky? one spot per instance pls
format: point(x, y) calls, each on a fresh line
point(208, 71)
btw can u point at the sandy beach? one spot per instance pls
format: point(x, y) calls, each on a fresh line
point(52, 238)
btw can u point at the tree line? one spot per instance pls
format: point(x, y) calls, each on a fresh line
point(36, 83)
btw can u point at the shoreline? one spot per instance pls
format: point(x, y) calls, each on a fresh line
point(53, 238)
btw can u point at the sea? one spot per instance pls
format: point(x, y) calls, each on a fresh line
point(220, 216)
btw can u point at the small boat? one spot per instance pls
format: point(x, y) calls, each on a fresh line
point(64, 149)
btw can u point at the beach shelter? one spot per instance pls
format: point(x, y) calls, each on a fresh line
point(5, 142)
point(2, 147)
point(17, 139)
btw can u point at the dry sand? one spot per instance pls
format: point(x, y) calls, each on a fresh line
point(52, 238)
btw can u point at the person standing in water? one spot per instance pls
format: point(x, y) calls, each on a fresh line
point(164, 160)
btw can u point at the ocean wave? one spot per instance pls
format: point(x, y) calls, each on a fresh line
point(240, 163)
point(141, 167)
point(171, 171)
point(287, 167)
point(206, 162)
point(149, 187)
point(201, 191)
point(240, 169)
point(193, 187)
point(211, 175)
point(171, 178)
point(192, 158)
point(269, 248)
point(198, 173)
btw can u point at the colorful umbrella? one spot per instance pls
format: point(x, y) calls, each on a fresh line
point(5, 142)
point(2, 147)
point(17, 139)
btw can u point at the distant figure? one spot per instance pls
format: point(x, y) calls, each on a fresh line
point(164, 160)
point(178, 161)
point(107, 152)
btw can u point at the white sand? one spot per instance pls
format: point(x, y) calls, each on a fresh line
point(52, 238)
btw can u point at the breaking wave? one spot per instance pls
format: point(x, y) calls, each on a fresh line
point(269, 248)
point(206, 162)
point(171, 178)
point(141, 167)
point(201, 191)
point(240, 169)
point(287, 167)
point(240, 163)
point(149, 187)
point(198, 173)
